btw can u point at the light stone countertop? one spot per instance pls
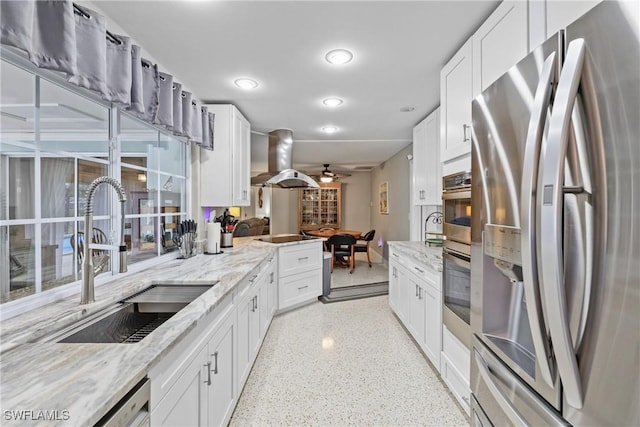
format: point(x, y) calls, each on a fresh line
point(88, 379)
point(431, 256)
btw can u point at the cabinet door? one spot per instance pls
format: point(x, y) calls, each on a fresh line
point(216, 181)
point(185, 404)
point(272, 288)
point(456, 93)
point(241, 159)
point(405, 295)
point(433, 325)
point(499, 43)
point(256, 321)
point(416, 310)
point(244, 340)
point(393, 285)
point(221, 391)
point(427, 170)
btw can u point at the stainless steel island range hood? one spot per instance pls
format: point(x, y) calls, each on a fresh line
point(280, 174)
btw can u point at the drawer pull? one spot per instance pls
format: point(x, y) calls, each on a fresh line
point(419, 269)
point(208, 366)
point(303, 287)
point(304, 258)
point(253, 278)
point(215, 365)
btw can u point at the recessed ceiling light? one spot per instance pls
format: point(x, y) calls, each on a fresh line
point(407, 109)
point(329, 129)
point(339, 56)
point(332, 102)
point(246, 83)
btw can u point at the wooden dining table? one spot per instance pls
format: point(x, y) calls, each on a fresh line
point(326, 233)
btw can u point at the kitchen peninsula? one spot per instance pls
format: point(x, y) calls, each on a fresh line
point(86, 380)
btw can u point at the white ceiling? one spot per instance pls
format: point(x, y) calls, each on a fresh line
point(399, 49)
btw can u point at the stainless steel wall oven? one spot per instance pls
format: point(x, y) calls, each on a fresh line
point(456, 254)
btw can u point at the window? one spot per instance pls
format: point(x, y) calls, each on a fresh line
point(53, 143)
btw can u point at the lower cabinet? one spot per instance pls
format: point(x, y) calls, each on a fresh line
point(299, 274)
point(416, 298)
point(203, 395)
point(456, 366)
point(199, 381)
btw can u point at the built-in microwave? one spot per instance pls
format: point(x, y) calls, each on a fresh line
point(456, 206)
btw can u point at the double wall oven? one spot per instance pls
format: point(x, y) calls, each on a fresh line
point(456, 254)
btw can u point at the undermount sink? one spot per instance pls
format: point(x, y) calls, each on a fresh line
point(134, 317)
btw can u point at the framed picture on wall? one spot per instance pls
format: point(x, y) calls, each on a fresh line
point(384, 198)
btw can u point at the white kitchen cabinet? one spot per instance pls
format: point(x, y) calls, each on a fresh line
point(499, 43)
point(456, 93)
point(299, 274)
point(269, 301)
point(204, 392)
point(427, 169)
point(415, 295)
point(249, 333)
point(562, 13)
point(225, 172)
point(221, 362)
point(456, 367)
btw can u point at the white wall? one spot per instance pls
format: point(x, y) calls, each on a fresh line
point(356, 202)
point(395, 225)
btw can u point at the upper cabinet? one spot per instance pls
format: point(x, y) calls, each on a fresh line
point(456, 93)
point(499, 43)
point(562, 13)
point(225, 172)
point(427, 185)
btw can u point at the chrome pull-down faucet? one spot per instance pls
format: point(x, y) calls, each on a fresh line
point(87, 295)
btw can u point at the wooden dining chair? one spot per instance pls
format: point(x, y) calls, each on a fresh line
point(364, 247)
point(100, 256)
point(342, 245)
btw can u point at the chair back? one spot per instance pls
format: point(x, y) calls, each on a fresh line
point(368, 236)
point(341, 242)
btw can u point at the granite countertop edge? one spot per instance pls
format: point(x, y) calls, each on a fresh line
point(430, 256)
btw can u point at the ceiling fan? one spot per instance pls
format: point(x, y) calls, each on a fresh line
point(327, 176)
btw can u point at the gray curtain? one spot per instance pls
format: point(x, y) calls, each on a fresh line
point(165, 101)
point(186, 114)
point(91, 51)
point(16, 23)
point(53, 37)
point(177, 108)
point(119, 71)
point(206, 138)
point(196, 123)
point(137, 99)
point(150, 90)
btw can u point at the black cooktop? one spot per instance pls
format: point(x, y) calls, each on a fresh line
point(287, 239)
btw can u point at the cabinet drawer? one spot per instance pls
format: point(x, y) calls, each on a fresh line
point(456, 383)
point(457, 353)
point(299, 258)
point(300, 288)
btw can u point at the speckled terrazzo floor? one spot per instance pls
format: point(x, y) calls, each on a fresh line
point(349, 363)
point(362, 274)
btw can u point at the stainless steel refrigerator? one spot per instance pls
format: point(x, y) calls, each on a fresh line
point(555, 270)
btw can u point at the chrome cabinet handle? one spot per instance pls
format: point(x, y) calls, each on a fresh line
point(256, 298)
point(528, 241)
point(271, 279)
point(416, 290)
point(253, 278)
point(464, 132)
point(419, 269)
point(215, 365)
point(303, 258)
point(551, 219)
point(208, 366)
point(303, 287)
point(419, 292)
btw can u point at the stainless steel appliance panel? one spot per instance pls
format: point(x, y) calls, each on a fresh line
point(607, 356)
point(456, 294)
point(506, 301)
point(502, 397)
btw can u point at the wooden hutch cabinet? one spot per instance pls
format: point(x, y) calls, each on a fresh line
point(320, 207)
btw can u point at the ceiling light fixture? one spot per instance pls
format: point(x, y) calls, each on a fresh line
point(245, 83)
point(326, 179)
point(338, 56)
point(332, 102)
point(329, 129)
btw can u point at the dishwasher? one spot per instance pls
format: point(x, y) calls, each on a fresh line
point(132, 410)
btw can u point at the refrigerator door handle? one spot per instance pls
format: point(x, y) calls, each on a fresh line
point(512, 413)
point(551, 198)
point(535, 133)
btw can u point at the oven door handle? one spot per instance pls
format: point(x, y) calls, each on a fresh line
point(457, 194)
point(459, 260)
